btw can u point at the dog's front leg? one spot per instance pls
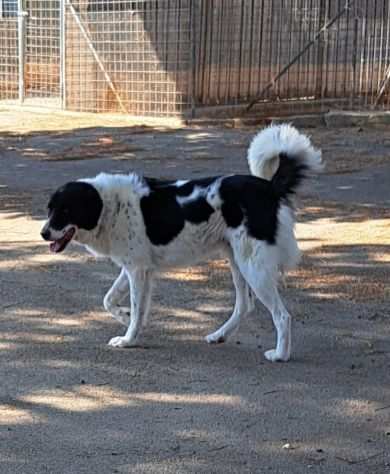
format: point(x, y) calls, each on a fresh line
point(140, 292)
point(115, 295)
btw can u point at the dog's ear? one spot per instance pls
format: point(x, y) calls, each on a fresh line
point(80, 201)
point(89, 206)
point(55, 198)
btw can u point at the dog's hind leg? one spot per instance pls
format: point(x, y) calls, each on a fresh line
point(261, 272)
point(115, 295)
point(243, 305)
point(140, 293)
point(270, 297)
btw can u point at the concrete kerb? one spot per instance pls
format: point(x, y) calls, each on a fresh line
point(331, 119)
point(356, 119)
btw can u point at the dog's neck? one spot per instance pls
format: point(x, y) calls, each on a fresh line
point(114, 190)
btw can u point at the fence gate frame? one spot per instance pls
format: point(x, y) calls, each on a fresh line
point(21, 49)
point(29, 38)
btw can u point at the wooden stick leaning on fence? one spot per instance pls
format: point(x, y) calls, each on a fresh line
point(96, 56)
point(327, 25)
point(383, 86)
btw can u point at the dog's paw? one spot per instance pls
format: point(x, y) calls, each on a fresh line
point(215, 338)
point(120, 341)
point(274, 356)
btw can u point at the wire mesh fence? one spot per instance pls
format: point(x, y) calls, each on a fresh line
point(131, 56)
point(42, 50)
point(9, 69)
point(179, 57)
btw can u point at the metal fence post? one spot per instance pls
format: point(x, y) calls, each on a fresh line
point(193, 58)
point(320, 83)
point(63, 54)
point(354, 58)
point(21, 48)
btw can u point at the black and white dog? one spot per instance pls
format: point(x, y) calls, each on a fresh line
point(144, 225)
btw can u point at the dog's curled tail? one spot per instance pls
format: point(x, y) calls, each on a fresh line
point(282, 155)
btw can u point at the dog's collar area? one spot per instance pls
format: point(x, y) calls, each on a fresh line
point(59, 245)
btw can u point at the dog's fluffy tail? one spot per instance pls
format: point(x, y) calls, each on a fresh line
point(282, 155)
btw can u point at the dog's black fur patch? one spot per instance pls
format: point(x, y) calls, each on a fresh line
point(164, 217)
point(76, 203)
point(288, 176)
point(181, 190)
point(197, 211)
point(187, 188)
point(253, 201)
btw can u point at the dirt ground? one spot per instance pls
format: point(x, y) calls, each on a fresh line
point(70, 404)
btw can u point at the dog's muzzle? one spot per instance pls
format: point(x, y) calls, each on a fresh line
point(58, 243)
point(45, 234)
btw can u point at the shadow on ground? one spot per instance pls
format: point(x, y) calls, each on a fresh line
point(176, 404)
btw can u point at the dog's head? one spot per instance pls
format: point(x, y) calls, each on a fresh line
point(73, 207)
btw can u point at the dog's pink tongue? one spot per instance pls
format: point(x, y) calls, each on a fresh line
point(55, 246)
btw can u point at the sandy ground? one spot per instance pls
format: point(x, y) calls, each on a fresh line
point(69, 404)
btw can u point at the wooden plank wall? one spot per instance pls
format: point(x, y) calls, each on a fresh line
point(241, 46)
